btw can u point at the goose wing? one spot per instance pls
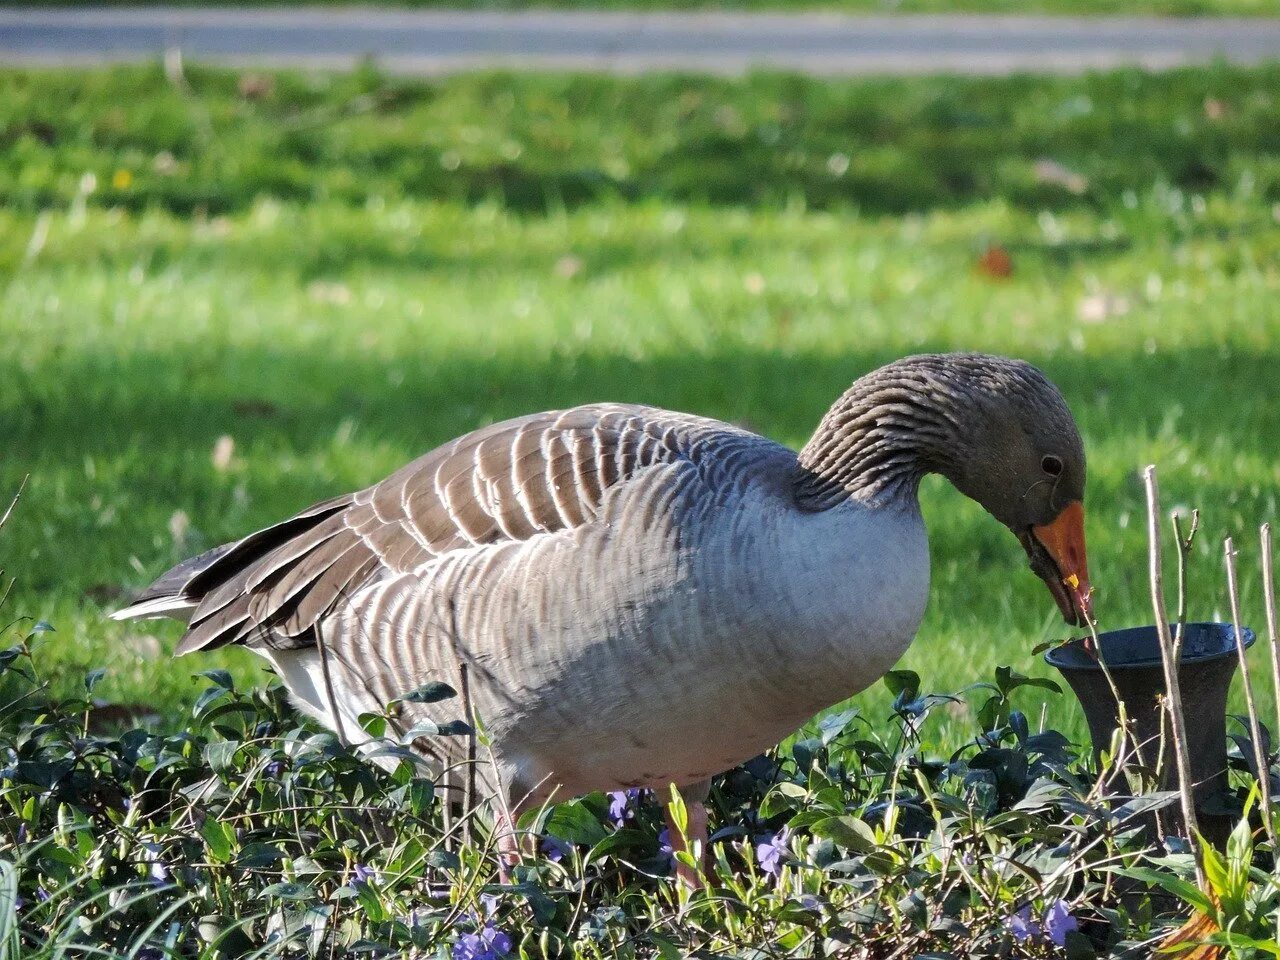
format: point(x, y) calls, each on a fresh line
point(511, 481)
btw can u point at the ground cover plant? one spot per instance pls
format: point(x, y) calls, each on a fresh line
point(247, 833)
point(232, 295)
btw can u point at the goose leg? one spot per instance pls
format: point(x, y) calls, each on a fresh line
point(695, 802)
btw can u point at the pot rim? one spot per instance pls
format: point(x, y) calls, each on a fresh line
point(1066, 656)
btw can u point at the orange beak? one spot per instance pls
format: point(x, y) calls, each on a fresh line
point(1063, 566)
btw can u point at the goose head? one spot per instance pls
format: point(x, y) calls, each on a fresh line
point(996, 427)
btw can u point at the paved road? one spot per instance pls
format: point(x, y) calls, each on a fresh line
point(441, 41)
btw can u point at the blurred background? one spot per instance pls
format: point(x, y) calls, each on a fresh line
point(242, 275)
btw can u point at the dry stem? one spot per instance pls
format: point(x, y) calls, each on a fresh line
point(1255, 731)
point(1173, 693)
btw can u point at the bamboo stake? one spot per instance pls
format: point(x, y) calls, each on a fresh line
point(1173, 693)
point(1255, 731)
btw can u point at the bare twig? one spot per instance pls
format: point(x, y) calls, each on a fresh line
point(1269, 596)
point(1255, 731)
point(14, 502)
point(1173, 693)
point(1184, 551)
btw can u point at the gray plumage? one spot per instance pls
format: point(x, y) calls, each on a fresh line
point(636, 596)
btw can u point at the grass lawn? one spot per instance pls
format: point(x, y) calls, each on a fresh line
point(338, 273)
point(1175, 8)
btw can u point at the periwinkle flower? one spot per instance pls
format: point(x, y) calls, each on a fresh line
point(487, 943)
point(1022, 926)
point(555, 849)
point(620, 805)
point(665, 850)
point(1058, 922)
point(365, 875)
point(1053, 926)
point(771, 850)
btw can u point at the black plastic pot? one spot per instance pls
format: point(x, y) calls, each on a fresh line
point(1208, 664)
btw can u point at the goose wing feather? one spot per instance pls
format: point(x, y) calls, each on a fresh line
point(511, 481)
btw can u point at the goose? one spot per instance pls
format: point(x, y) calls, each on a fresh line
point(630, 597)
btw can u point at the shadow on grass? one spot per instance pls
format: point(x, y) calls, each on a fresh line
point(152, 418)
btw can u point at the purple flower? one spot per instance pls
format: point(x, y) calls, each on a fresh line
point(274, 769)
point(665, 849)
point(1022, 926)
point(1058, 922)
point(555, 849)
point(771, 850)
point(620, 805)
point(18, 904)
point(487, 943)
point(22, 832)
point(809, 902)
point(42, 894)
point(364, 874)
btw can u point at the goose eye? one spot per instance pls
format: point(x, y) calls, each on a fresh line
point(1052, 465)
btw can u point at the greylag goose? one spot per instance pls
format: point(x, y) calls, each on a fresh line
point(633, 597)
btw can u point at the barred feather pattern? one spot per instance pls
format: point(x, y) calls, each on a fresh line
point(506, 483)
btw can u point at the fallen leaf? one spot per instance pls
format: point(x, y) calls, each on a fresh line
point(995, 262)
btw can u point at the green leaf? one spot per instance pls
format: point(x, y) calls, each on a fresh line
point(903, 684)
point(93, 678)
point(431, 692)
point(289, 891)
point(220, 838)
point(220, 753)
point(374, 724)
point(679, 812)
point(1078, 947)
point(847, 831)
point(220, 677)
point(1184, 890)
point(832, 725)
point(666, 949)
point(575, 823)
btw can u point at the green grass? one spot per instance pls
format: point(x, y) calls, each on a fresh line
point(349, 271)
point(1176, 8)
